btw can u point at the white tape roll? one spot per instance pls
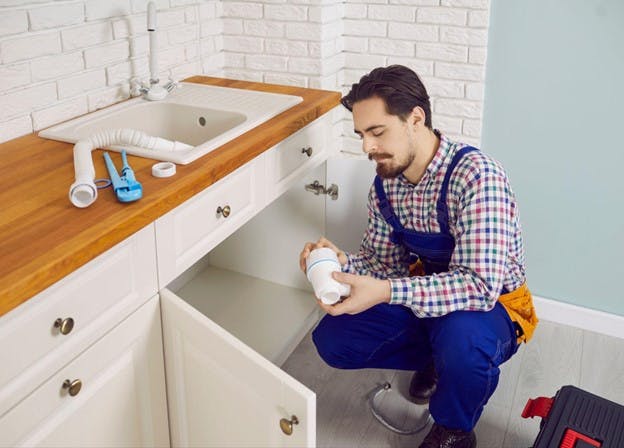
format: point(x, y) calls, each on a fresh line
point(163, 169)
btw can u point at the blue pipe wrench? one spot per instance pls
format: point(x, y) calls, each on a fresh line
point(126, 187)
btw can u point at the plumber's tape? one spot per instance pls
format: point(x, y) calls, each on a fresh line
point(163, 169)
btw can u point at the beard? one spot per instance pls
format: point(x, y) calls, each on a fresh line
point(388, 170)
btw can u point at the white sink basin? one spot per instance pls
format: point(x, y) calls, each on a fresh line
point(202, 116)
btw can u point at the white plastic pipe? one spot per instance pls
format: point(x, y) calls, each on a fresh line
point(83, 192)
point(153, 42)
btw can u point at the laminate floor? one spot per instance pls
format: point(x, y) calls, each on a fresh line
point(558, 355)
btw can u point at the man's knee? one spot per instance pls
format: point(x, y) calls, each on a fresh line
point(462, 358)
point(465, 345)
point(331, 346)
point(469, 358)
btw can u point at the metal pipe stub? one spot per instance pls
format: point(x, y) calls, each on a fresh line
point(375, 399)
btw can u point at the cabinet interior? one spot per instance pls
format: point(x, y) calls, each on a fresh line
point(251, 284)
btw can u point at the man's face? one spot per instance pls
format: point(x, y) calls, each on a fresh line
point(386, 139)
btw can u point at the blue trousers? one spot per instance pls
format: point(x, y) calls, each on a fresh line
point(466, 348)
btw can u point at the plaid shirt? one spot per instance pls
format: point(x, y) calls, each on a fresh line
point(483, 219)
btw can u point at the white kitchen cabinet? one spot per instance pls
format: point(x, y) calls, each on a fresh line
point(288, 161)
point(234, 317)
point(193, 228)
point(121, 401)
point(95, 297)
point(234, 305)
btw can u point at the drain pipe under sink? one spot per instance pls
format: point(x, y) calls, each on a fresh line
point(83, 192)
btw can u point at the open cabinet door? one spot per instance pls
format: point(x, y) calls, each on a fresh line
point(222, 393)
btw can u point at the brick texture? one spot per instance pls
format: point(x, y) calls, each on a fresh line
point(58, 60)
point(449, 41)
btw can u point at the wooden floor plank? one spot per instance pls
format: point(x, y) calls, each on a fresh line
point(558, 355)
point(602, 366)
point(492, 426)
point(552, 359)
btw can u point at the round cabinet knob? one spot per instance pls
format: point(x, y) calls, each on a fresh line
point(65, 326)
point(307, 150)
point(73, 386)
point(224, 211)
point(287, 425)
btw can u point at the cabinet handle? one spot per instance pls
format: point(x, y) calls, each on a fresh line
point(224, 211)
point(73, 386)
point(65, 326)
point(307, 150)
point(287, 425)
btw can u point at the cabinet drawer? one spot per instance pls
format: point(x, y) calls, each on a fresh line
point(303, 150)
point(189, 231)
point(121, 401)
point(97, 296)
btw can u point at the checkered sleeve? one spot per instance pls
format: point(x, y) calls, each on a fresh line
point(483, 227)
point(378, 256)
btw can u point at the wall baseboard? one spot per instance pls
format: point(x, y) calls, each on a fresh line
point(579, 317)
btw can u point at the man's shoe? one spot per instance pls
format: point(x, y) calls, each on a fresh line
point(441, 437)
point(423, 385)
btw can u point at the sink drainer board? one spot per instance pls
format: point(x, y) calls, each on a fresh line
point(202, 116)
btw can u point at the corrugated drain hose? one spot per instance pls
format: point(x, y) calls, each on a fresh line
point(83, 191)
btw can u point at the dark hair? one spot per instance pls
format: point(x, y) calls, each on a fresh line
point(398, 86)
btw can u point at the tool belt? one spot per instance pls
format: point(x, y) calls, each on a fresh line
point(519, 306)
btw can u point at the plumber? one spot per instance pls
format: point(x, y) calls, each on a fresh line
point(438, 285)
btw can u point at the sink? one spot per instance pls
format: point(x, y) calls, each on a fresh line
point(202, 116)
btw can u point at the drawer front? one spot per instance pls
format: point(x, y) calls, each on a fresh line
point(96, 297)
point(121, 401)
point(300, 152)
point(191, 230)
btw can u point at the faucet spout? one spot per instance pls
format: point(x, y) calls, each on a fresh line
point(153, 42)
point(154, 90)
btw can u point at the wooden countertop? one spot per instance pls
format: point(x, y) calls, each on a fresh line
point(43, 237)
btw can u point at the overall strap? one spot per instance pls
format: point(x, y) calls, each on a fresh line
point(441, 207)
point(386, 209)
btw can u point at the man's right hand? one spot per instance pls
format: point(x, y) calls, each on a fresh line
point(322, 242)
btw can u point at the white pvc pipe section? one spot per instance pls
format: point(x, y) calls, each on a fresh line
point(153, 41)
point(83, 192)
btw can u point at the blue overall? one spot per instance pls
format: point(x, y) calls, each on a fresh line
point(466, 347)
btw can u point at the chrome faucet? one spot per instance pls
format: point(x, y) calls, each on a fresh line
point(153, 91)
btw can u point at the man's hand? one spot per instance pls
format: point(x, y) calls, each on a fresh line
point(322, 242)
point(366, 292)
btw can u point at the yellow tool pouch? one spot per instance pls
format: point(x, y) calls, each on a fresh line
point(519, 306)
point(518, 303)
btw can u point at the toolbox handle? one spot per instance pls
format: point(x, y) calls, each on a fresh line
point(539, 407)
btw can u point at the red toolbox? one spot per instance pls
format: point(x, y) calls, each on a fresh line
point(574, 418)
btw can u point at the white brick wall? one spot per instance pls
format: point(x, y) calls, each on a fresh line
point(13, 22)
point(444, 41)
point(61, 59)
point(55, 16)
point(297, 43)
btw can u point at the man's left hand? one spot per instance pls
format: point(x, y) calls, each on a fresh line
point(366, 292)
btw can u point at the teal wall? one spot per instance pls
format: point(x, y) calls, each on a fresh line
point(553, 114)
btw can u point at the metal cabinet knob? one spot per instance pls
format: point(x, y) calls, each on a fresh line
point(73, 386)
point(65, 326)
point(224, 211)
point(287, 425)
point(307, 150)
